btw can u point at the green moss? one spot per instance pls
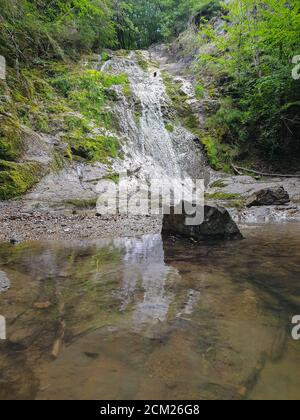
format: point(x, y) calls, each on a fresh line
point(104, 56)
point(218, 184)
point(221, 196)
point(50, 98)
point(77, 122)
point(142, 62)
point(58, 162)
point(113, 177)
point(170, 128)
point(199, 92)
point(176, 95)
point(85, 91)
point(137, 115)
point(41, 123)
point(127, 90)
point(17, 178)
point(179, 101)
point(122, 53)
point(11, 145)
point(95, 149)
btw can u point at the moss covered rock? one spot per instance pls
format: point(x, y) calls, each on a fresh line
point(17, 178)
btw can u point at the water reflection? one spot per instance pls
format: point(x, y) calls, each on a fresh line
point(136, 318)
point(144, 263)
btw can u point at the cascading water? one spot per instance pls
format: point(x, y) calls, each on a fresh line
point(150, 150)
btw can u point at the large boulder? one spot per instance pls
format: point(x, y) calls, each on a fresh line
point(217, 225)
point(268, 197)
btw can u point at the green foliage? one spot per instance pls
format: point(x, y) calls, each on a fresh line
point(39, 29)
point(218, 184)
point(85, 91)
point(253, 65)
point(221, 196)
point(211, 151)
point(140, 23)
point(199, 91)
point(93, 149)
point(104, 56)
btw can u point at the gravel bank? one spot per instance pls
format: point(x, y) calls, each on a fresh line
point(19, 225)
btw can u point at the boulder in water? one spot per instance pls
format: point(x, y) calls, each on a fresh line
point(217, 225)
point(268, 197)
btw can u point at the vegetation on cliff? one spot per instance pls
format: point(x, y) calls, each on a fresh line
point(251, 71)
point(245, 51)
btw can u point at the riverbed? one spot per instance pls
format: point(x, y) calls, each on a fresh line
point(143, 318)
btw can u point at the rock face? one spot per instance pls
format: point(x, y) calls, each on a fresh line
point(217, 225)
point(268, 197)
point(4, 282)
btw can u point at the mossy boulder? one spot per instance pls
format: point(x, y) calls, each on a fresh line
point(11, 145)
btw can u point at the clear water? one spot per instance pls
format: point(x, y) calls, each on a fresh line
point(143, 319)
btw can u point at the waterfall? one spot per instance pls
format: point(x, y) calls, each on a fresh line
point(150, 150)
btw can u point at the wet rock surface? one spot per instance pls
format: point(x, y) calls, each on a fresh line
point(268, 197)
point(217, 225)
point(233, 192)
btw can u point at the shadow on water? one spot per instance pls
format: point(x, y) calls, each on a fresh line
point(143, 319)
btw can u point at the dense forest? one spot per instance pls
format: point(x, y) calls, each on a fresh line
point(245, 60)
point(33, 29)
point(254, 64)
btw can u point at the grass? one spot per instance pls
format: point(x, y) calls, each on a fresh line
point(221, 196)
point(218, 184)
point(199, 92)
point(142, 62)
point(84, 91)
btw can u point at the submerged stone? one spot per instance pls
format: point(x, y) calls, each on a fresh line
point(217, 225)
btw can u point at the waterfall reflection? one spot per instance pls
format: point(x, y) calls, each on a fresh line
point(145, 266)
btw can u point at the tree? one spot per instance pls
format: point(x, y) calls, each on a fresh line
point(256, 52)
